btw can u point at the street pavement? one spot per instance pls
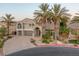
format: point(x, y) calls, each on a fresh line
point(47, 51)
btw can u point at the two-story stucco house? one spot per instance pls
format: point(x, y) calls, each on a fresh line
point(28, 27)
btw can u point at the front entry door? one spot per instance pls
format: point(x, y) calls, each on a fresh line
point(37, 32)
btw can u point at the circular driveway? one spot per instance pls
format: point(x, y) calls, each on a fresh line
point(47, 51)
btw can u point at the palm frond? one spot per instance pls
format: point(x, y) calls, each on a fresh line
point(56, 8)
point(42, 14)
point(63, 11)
point(44, 7)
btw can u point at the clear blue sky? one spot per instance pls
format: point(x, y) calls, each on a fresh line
point(21, 11)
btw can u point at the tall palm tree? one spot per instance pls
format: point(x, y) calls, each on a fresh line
point(41, 16)
point(8, 19)
point(56, 14)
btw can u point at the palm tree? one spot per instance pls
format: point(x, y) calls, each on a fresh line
point(41, 16)
point(8, 19)
point(56, 14)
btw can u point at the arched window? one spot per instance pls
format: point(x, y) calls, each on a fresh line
point(19, 26)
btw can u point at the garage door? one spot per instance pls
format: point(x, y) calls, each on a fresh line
point(28, 33)
point(19, 33)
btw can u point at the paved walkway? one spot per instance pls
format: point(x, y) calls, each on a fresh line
point(16, 44)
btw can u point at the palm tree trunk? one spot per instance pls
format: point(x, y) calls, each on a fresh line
point(7, 31)
point(43, 28)
point(56, 29)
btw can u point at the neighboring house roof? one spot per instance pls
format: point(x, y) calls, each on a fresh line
point(74, 25)
point(27, 20)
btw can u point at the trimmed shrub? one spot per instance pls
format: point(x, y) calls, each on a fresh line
point(64, 30)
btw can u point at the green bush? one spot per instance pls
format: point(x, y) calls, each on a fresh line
point(74, 41)
point(46, 41)
point(32, 41)
point(1, 43)
point(2, 35)
point(63, 30)
point(47, 37)
point(74, 32)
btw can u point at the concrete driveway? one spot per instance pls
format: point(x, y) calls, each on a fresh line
point(17, 43)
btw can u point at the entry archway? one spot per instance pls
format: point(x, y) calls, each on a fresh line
point(37, 32)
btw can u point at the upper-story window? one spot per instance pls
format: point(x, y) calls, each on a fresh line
point(19, 26)
point(31, 24)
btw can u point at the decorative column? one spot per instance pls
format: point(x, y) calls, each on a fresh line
point(33, 35)
point(16, 29)
point(22, 29)
point(41, 32)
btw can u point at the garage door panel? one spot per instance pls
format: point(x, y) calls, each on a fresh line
point(28, 33)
